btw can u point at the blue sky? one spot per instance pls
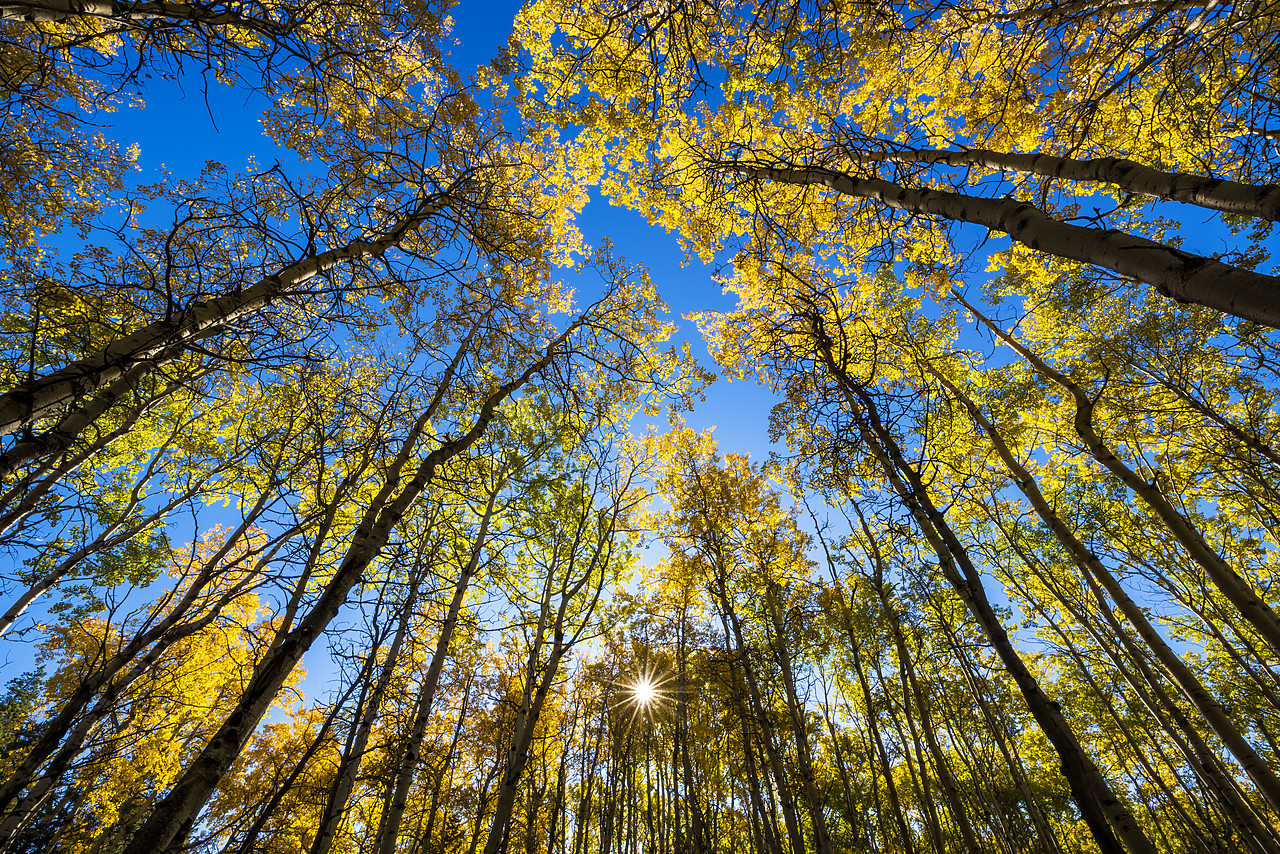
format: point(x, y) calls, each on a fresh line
point(186, 122)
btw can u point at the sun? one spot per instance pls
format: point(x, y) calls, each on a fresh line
point(640, 694)
point(644, 691)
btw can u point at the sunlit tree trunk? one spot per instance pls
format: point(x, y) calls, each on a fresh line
point(385, 511)
point(162, 341)
point(248, 843)
point(583, 569)
point(1260, 771)
point(868, 701)
point(1132, 177)
point(1174, 273)
point(913, 691)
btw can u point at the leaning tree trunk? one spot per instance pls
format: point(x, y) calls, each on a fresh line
point(249, 842)
point(1261, 772)
point(193, 789)
point(1238, 591)
point(125, 12)
point(366, 714)
point(133, 356)
point(1109, 821)
point(1132, 177)
point(1174, 273)
point(389, 828)
point(60, 738)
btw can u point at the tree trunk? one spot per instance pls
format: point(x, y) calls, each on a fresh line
point(353, 754)
point(1224, 577)
point(162, 341)
point(1180, 275)
point(1132, 177)
point(1109, 821)
point(767, 741)
point(1261, 772)
point(821, 838)
point(63, 733)
point(192, 790)
point(389, 828)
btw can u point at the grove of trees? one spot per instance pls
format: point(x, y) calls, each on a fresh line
point(348, 504)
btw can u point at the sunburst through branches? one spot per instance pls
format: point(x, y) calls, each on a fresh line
point(642, 693)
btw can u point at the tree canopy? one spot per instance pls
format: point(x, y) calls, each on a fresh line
point(357, 503)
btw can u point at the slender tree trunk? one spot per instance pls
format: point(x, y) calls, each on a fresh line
point(767, 741)
point(62, 736)
point(249, 842)
point(162, 341)
point(1132, 177)
point(1249, 438)
point(1224, 577)
point(192, 790)
point(540, 678)
point(1260, 771)
point(767, 822)
point(1180, 275)
point(1124, 727)
point(66, 734)
point(873, 726)
point(821, 838)
point(913, 758)
point(437, 796)
point(1048, 839)
point(912, 688)
point(698, 841)
point(353, 754)
point(846, 782)
point(1108, 819)
point(411, 751)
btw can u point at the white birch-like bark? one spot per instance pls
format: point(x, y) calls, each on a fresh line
point(1200, 698)
point(192, 790)
point(223, 14)
point(1113, 827)
point(1236, 589)
point(1262, 201)
point(1179, 275)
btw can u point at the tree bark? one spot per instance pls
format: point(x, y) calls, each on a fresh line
point(349, 765)
point(37, 11)
point(1261, 772)
point(1176, 274)
point(162, 341)
point(821, 837)
point(192, 790)
point(1224, 577)
point(1261, 201)
point(389, 827)
point(1109, 821)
